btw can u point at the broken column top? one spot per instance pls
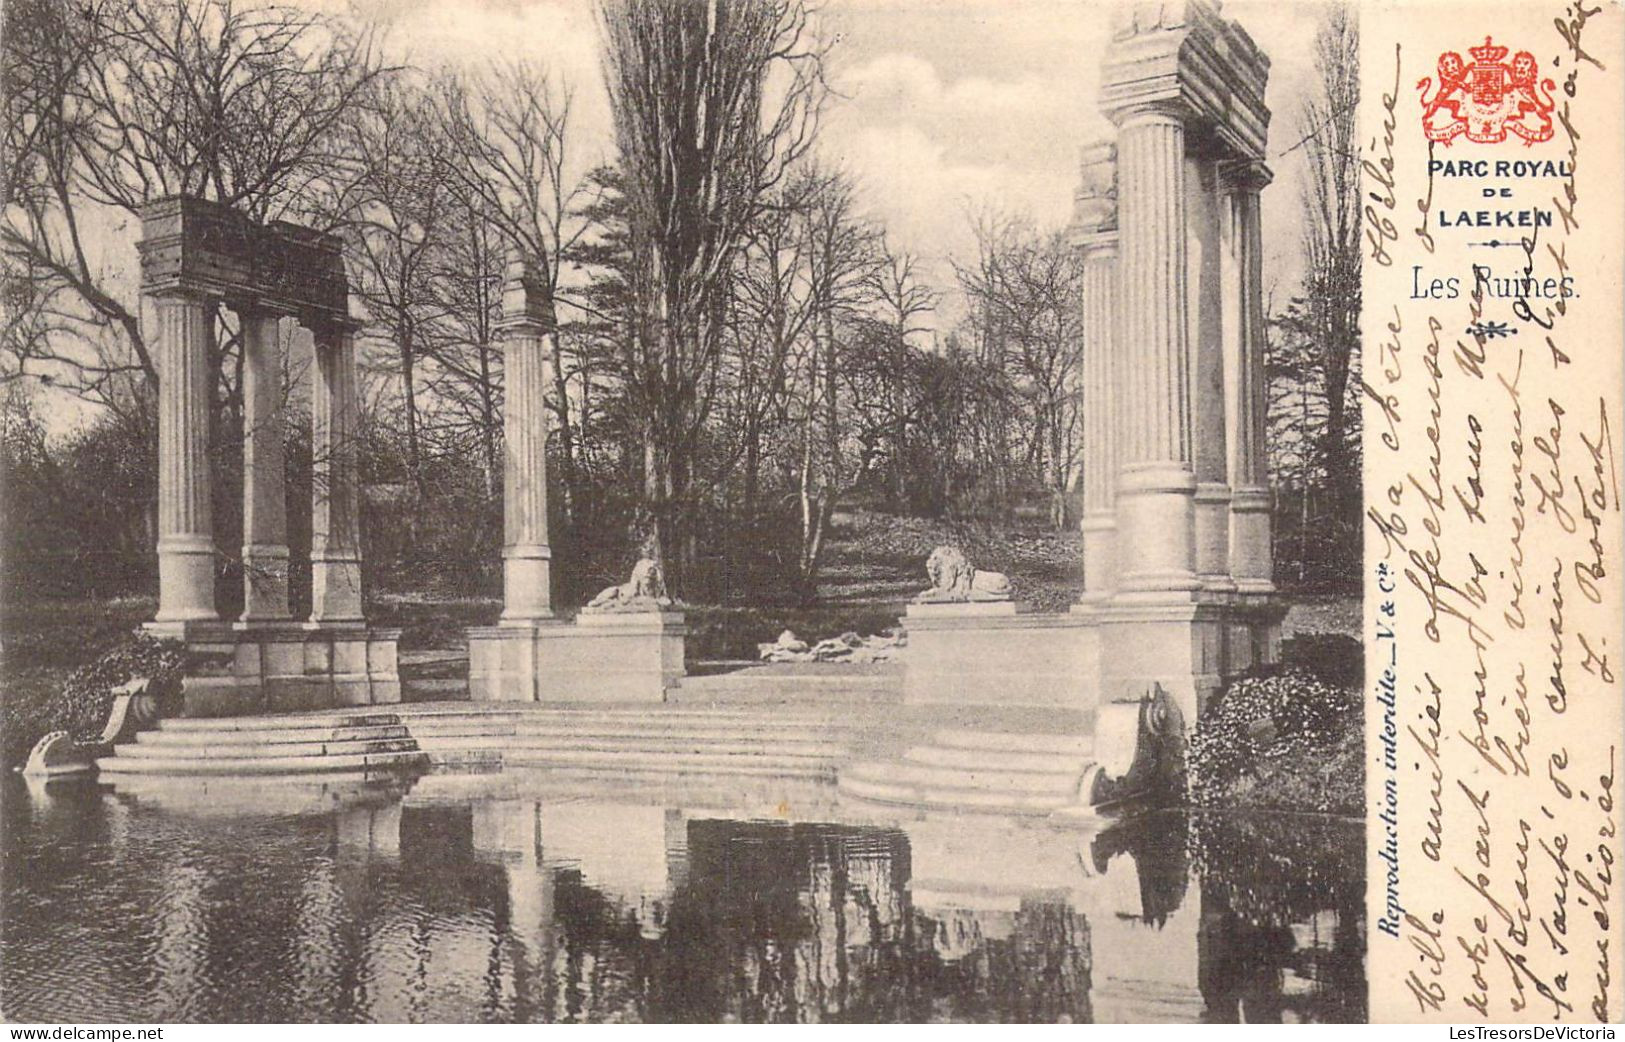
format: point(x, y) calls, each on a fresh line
point(1094, 203)
point(526, 304)
point(1184, 56)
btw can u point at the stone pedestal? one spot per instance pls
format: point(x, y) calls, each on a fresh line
point(1192, 649)
point(272, 668)
point(990, 654)
point(609, 657)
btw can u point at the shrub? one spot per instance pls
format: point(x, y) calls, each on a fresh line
point(82, 703)
point(1335, 658)
point(87, 697)
point(1288, 740)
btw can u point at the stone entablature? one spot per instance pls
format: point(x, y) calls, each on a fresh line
point(195, 247)
point(1182, 56)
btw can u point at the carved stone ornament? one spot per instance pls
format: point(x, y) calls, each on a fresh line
point(645, 591)
point(954, 579)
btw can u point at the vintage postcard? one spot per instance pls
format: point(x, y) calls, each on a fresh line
point(811, 511)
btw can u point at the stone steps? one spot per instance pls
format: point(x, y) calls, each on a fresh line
point(315, 735)
point(798, 684)
point(990, 759)
point(636, 744)
point(192, 763)
point(278, 749)
point(981, 771)
point(1016, 741)
point(631, 739)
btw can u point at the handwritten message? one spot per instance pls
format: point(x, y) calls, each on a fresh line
point(1491, 382)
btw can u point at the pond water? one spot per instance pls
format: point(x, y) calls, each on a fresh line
point(446, 900)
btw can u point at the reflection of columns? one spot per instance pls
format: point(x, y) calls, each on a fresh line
point(1101, 404)
point(1251, 559)
point(526, 556)
point(185, 521)
point(181, 942)
point(335, 541)
point(265, 518)
point(1156, 484)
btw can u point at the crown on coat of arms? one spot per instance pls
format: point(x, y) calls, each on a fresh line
point(1488, 54)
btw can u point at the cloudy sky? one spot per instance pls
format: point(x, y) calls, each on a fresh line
point(945, 106)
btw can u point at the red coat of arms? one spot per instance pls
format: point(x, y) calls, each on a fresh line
point(1484, 100)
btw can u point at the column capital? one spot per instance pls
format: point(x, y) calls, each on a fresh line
point(527, 303)
point(1182, 59)
point(321, 324)
point(1172, 109)
point(1101, 245)
point(1244, 176)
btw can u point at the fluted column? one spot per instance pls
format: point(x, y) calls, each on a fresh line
point(526, 555)
point(1156, 483)
point(1205, 295)
point(1251, 554)
point(265, 514)
point(185, 518)
point(335, 541)
point(1101, 405)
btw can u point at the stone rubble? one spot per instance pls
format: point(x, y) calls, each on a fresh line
point(848, 647)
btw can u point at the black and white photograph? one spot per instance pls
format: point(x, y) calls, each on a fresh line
point(682, 511)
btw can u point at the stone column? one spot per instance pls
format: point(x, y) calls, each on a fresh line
point(265, 517)
point(335, 541)
point(1251, 556)
point(185, 518)
point(1156, 483)
point(1101, 405)
point(1205, 296)
point(526, 556)
point(1094, 224)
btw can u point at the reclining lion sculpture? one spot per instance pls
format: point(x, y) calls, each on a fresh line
point(954, 579)
point(644, 591)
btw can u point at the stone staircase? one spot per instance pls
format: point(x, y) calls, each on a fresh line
point(792, 683)
point(989, 771)
point(638, 738)
point(625, 739)
point(295, 743)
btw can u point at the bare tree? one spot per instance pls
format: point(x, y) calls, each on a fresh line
point(901, 299)
point(111, 103)
point(510, 130)
point(713, 102)
point(1024, 289)
point(841, 257)
point(1327, 314)
point(397, 215)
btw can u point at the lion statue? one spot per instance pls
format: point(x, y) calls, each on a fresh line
point(954, 579)
point(644, 591)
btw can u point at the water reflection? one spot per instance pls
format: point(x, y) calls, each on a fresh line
point(343, 900)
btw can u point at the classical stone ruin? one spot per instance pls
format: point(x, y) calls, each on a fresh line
point(196, 255)
point(1178, 595)
point(1177, 554)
